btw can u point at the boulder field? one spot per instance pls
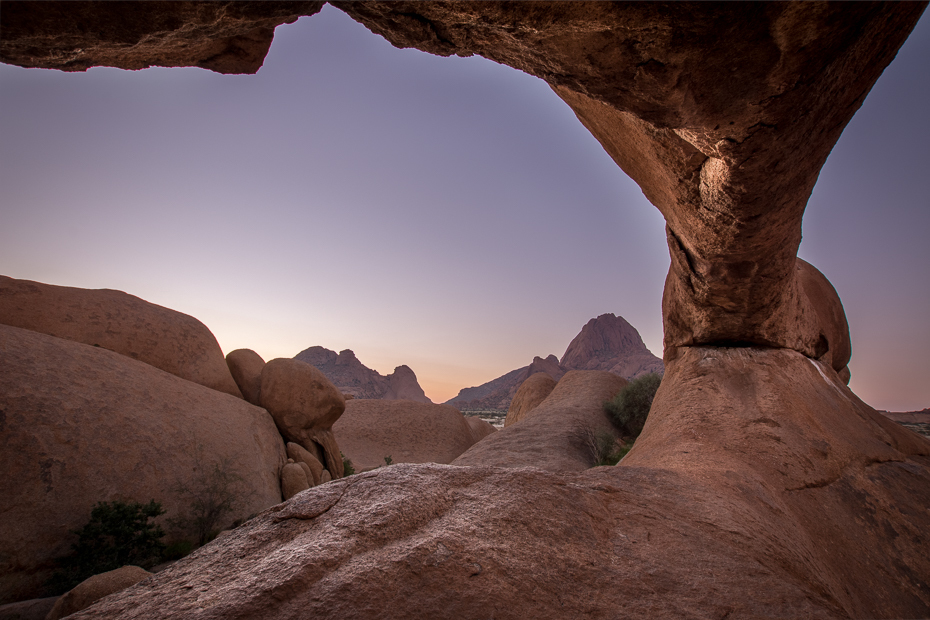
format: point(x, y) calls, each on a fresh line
point(761, 485)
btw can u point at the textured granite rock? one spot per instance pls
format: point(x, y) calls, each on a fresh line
point(479, 428)
point(81, 424)
point(95, 588)
point(304, 405)
point(529, 395)
point(33, 609)
point(761, 487)
point(552, 438)
point(245, 366)
point(226, 37)
point(164, 338)
point(407, 431)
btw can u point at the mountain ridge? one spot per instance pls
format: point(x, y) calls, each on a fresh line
point(607, 342)
point(352, 377)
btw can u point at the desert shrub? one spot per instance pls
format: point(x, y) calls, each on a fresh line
point(348, 468)
point(602, 447)
point(118, 533)
point(388, 460)
point(630, 407)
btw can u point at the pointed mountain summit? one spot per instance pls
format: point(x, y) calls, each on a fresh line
point(607, 342)
point(352, 377)
point(610, 343)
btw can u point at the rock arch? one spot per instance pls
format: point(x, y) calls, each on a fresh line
point(780, 493)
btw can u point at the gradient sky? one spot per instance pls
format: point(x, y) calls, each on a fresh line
point(450, 214)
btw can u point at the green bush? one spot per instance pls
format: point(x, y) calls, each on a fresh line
point(118, 533)
point(348, 468)
point(602, 446)
point(388, 460)
point(630, 407)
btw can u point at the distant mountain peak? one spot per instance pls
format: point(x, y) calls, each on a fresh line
point(605, 337)
point(352, 377)
point(607, 342)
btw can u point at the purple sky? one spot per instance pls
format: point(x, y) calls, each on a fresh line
point(446, 213)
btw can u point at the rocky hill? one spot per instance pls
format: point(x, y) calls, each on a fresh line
point(352, 377)
point(606, 343)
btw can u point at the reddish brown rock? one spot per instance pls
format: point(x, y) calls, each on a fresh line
point(226, 37)
point(407, 431)
point(34, 609)
point(609, 343)
point(529, 395)
point(357, 380)
point(300, 455)
point(304, 405)
point(552, 437)
point(761, 487)
point(294, 479)
point(81, 424)
point(95, 588)
point(166, 339)
point(792, 500)
point(404, 386)
point(245, 366)
point(479, 428)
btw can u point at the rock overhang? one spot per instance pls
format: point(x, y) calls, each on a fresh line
point(722, 113)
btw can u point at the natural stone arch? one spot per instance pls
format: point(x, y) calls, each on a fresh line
point(772, 490)
point(723, 114)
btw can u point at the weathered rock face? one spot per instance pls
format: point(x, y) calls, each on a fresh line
point(404, 386)
point(304, 405)
point(245, 366)
point(294, 479)
point(95, 588)
point(609, 343)
point(699, 104)
point(795, 500)
point(479, 428)
point(226, 37)
point(354, 378)
point(552, 438)
point(81, 424)
point(299, 454)
point(761, 487)
point(408, 432)
point(166, 339)
point(529, 395)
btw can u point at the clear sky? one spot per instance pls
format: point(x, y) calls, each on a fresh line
point(450, 214)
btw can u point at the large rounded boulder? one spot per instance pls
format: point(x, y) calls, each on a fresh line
point(246, 365)
point(167, 339)
point(556, 436)
point(529, 395)
point(404, 430)
point(81, 425)
point(304, 405)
